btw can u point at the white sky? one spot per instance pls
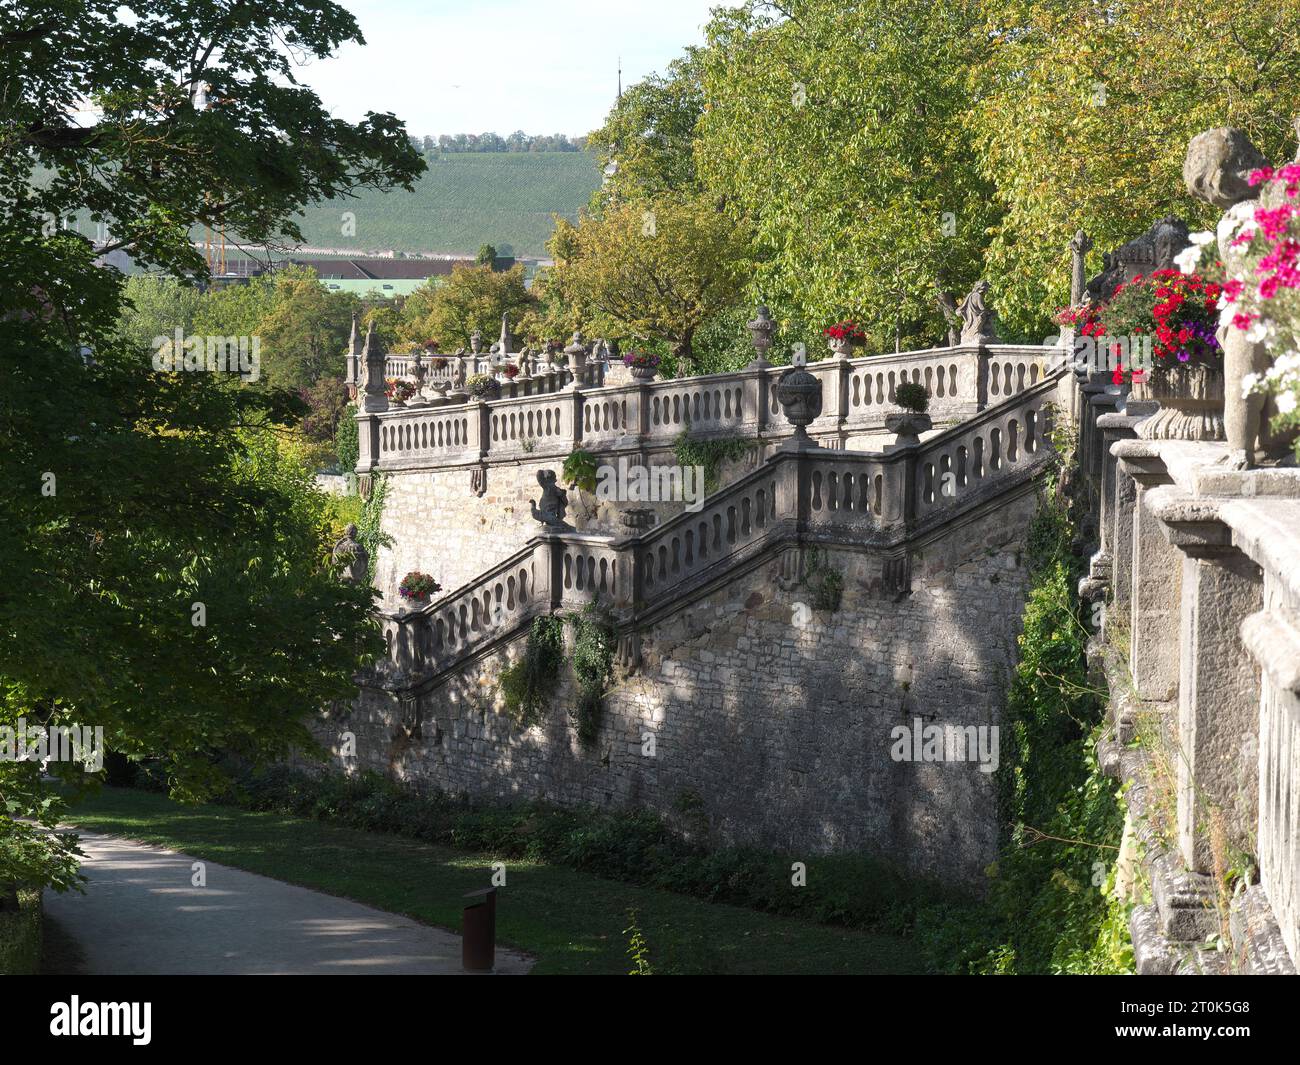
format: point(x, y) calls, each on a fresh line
point(473, 66)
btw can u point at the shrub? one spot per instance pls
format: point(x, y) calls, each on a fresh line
point(912, 396)
point(20, 933)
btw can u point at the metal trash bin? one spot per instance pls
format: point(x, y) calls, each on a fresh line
point(478, 940)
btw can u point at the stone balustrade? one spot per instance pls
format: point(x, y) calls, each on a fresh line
point(810, 495)
point(1198, 567)
point(548, 415)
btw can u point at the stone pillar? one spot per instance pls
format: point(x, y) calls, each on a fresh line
point(571, 415)
point(1156, 577)
point(753, 399)
point(1218, 684)
point(1112, 427)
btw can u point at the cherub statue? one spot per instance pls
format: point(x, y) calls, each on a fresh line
point(554, 503)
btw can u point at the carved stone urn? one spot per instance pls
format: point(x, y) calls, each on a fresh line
point(760, 332)
point(907, 425)
point(1191, 402)
point(800, 395)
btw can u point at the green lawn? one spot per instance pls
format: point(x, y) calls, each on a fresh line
point(571, 922)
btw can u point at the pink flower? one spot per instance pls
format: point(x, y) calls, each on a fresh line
point(1264, 173)
point(1242, 321)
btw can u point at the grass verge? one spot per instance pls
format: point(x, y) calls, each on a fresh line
point(572, 922)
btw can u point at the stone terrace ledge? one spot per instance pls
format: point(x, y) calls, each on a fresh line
point(1202, 562)
point(537, 420)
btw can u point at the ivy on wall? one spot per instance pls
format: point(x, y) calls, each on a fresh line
point(709, 454)
point(369, 525)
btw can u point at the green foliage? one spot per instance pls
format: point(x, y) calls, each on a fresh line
point(156, 306)
point(20, 935)
point(648, 137)
point(594, 644)
point(651, 272)
point(473, 297)
point(912, 396)
point(487, 256)
point(347, 445)
point(842, 133)
point(370, 533)
point(528, 684)
point(637, 948)
point(634, 846)
point(580, 468)
point(709, 454)
point(824, 581)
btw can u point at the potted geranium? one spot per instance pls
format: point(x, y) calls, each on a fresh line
point(908, 423)
point(511, 371)
point(1170, 318)
point(643, 364)
point(417, 587)
point(398, 390)
point(844, 337)
point(482, 386)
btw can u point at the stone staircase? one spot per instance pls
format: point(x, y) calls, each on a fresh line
point(886, 503)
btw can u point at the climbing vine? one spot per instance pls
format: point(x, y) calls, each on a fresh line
point(347, 446)
point(369, 525)
point(593, 663)
point(709, 454)
point(824, 581)
point(528, 684)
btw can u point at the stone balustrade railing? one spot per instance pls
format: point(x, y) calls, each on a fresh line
point(545, 417)
point(1198, 567)
point(816, 494)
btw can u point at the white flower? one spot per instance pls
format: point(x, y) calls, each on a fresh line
point(1248, 384)
point(1286, 402)
point(1188, 258)
point(1258, 331)
point(1202, 238)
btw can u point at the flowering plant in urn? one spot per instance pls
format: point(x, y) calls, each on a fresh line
point(1171, 316)
point(844, 336)
point(418, 587)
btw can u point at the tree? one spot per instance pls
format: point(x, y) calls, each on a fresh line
point(157, 306)
point(651, 273)
point(841, 132)
point(165, 574)
point(647, 143)
point(306, 330)
point(473, 297)
point(1085, 114)
point(487, 256)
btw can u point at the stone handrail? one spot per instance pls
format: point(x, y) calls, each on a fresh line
point(818, 494)
point(1197, 570)
point(856, 396)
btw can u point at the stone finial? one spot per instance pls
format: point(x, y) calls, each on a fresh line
point(350, 554)
point(977, 318)
point(577, 346)
point(1080, 245)
point(476, 342)
point(352, 362)
point(1218, 165)
point(506, 340)
point(760, 332)
point(554, 502)
point(373, 357)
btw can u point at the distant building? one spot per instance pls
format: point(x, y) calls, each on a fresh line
point(381, 276)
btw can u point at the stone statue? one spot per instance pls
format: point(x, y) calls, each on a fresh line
point(554, 503)
point(1156, 249)
point(948, 308)
point(977, 317)
point(1216, 170)
point(476, 342)
point(1080, 245)
point(351, 555)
